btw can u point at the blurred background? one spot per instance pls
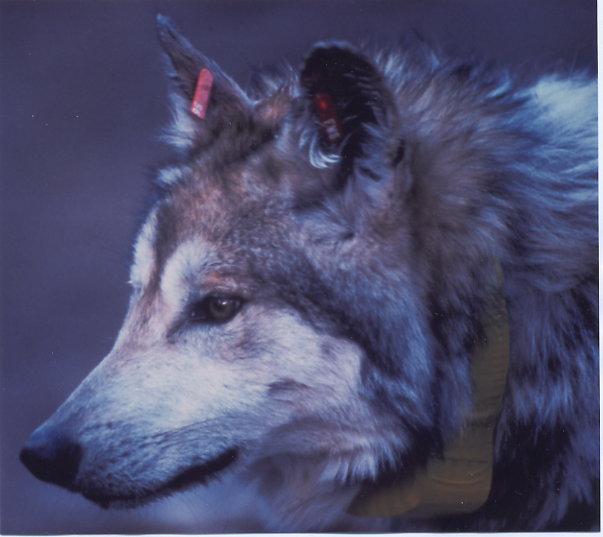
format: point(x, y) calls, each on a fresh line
point(82, 102)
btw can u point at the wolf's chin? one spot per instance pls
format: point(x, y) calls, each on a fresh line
point(199, 474)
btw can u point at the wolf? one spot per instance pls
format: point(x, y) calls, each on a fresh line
point(313, 278)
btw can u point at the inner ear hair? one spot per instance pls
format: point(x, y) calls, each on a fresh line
point(358, 113)
point(352, 84)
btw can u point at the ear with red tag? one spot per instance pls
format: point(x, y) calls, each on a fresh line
point(354, 117)
point(206, 101)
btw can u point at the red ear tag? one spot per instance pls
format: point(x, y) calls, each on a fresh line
point(325, 110)
point(202, 91)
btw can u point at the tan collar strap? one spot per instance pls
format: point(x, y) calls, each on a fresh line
point(460, 481)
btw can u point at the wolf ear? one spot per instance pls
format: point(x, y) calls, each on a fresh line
point(353, 115)
point(223, 103)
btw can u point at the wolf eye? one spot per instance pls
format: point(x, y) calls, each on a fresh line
point(215, 309)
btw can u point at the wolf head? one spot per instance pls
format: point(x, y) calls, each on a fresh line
point(283, 299)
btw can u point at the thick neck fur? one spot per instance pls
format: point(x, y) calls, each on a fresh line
point(493, 173)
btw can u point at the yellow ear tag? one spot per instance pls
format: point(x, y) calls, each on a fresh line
point(460, 481)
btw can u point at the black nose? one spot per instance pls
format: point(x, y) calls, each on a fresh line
point(55, 461)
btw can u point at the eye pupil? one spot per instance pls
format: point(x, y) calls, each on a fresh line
point(221, 308)
point(215, 309)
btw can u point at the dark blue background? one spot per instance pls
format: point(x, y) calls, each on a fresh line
point(82, 101)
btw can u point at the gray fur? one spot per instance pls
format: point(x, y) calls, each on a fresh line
point(385, 246)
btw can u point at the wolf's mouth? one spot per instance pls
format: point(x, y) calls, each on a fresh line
point(199, 474)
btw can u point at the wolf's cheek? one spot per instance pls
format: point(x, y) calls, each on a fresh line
point(153, 414)
point(273, 352)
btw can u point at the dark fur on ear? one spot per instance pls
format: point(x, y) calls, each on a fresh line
point(348, 84)
point(227, 106)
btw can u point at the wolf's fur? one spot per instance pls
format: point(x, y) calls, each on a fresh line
point(363, 269)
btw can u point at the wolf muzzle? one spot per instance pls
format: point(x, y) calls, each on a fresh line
point(55, 460)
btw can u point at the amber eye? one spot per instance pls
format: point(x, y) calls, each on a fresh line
point(215, 309)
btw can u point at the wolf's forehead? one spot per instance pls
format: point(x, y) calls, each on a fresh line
point(191, 264)
point(164, 238)
point(143, 261)
point(194, 230)
point(185, 261)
